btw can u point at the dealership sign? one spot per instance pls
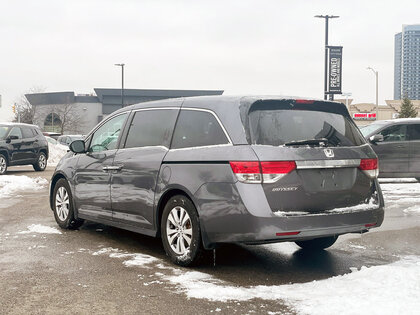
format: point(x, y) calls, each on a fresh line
point(364, 116)
point(335, 66)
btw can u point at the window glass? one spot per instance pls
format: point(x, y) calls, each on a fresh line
point(3, 131)
point(27, 132)
point(106, 137)
point(414, 132)
point(394, 133)
point(197, 128)
point(282, 126)
point(151, 128)
point(16, 132)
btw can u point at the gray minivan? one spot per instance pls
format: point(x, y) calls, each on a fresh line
point(397, 144)
point(202, 171)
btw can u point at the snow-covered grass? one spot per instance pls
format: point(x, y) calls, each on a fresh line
point(42, 229)
point(56, 152)
point(11, 184)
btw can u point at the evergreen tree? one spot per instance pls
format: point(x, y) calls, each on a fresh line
point(407, 109)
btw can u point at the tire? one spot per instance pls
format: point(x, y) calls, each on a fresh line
point(180, 230)
point(317, 243)
point(41, 163)
point(63, 206)
point(3, 164)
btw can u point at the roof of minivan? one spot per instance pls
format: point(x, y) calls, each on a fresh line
point(232, 110)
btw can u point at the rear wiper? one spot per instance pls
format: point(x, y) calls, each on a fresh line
point(321, 141)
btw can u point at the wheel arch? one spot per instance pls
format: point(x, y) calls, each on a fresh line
point(169, 193)
point(54, 181)
point(6, 155)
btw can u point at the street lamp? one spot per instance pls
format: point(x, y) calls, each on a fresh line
point(122, 82)
point(347, 99)
point(326, 17)
point(376, 75)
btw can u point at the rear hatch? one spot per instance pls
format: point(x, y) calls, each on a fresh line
point(312, 157)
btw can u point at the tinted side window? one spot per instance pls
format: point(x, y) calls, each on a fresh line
point(395, 133)
point(27, 133)
point(197, 128)
point(106, 137)
point(16, 132)
point(414, 132)
point(151, 128)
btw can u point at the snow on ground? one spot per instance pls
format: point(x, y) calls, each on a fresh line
point(397, 180)
point(42, 229)
point(56, 152)
point(387, 289)
point(11, 184)
point(402, 195)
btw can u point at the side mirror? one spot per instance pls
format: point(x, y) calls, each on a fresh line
point(77, 146)
point(10, 138)
point(376, 138)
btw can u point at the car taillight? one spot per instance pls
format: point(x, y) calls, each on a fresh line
point(273, 171)
point(247, 172)
point(256, 172)
point(369, 167)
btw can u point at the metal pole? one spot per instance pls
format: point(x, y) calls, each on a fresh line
point(377, 107)
point(326, 59)
point(326, 17)
point(122, 85)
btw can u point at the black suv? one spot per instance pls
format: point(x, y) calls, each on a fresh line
point(22, 144)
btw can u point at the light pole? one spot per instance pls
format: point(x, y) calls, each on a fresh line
point(326, 17)
point(376, 75)
point(122, 82)
point(347, 99)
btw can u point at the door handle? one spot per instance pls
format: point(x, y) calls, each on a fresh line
point(112, 168)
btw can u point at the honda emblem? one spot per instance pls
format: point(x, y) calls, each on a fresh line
point(329, 153)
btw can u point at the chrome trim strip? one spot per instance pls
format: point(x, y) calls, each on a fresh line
point(327, 164)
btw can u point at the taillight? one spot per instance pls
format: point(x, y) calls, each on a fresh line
point(256, 172)
point(369, 167)
point(247, 172)
point(273, 171)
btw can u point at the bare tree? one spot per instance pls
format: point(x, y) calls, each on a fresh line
point(71, 119)
point(24, 108)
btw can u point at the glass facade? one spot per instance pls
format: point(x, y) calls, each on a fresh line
point(407, 63)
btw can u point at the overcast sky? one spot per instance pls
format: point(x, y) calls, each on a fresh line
point(242, 47)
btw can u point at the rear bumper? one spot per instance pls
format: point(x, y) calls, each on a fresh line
point(247, 218)
point(260, 230)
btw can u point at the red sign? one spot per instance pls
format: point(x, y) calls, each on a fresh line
point(364, 116)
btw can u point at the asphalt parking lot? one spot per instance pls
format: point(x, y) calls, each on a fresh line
point(100, 269)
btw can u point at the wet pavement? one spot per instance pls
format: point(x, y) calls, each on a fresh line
point(100, 269)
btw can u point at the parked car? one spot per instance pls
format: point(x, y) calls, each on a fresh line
point(22, 144)
point(202, 171)
point(53, 135)
point(397, 144)
point(67, 139)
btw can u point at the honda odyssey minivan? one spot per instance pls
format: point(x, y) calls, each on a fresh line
point(202, 171)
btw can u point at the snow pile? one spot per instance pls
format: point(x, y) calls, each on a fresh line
point(56, 152)
point(10, 184)
point(42, 229)
point(388, 289)
point(412, 210)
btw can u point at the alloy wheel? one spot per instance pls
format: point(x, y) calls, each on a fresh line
point(42, 161)
point(3, 165)
point(62, 203)
point(179, 230)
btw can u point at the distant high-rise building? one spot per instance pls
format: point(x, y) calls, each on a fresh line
point(407, 63)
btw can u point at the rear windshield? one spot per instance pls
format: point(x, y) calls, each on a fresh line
point(285, 126)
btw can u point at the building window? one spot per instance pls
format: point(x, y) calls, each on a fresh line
point(52, 123)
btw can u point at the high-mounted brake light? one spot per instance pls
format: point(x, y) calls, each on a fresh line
point(304, 101)
point(256, 172)
point(369, 167)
